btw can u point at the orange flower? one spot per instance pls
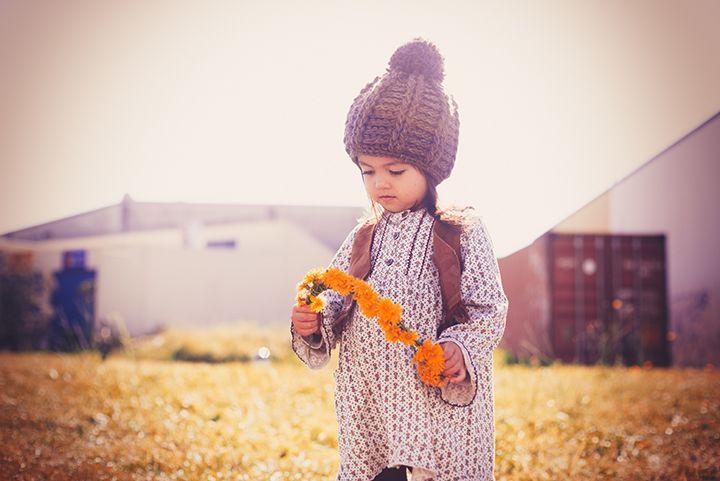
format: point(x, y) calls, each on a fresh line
point(313, 276)
point(430, 363)
point(428, 358)
point(393, 333)
point(366, 298)
point(338, 281)
point(389, 311)
point(409, 338)
point(369, 306)
point(384, 324)
point(316, 304)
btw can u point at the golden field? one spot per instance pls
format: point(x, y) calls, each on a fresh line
point(139, 415)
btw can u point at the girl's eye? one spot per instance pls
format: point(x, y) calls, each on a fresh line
point(367, 172)
point(396, 172)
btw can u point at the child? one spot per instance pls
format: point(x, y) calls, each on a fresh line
point(402, 133)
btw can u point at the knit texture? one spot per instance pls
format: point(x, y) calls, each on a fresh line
point(406, 114)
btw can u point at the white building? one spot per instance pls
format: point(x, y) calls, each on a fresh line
point(190, 265)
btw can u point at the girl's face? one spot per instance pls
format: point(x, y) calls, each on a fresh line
point(394, 184)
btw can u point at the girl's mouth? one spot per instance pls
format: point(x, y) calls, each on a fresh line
point(387, 197)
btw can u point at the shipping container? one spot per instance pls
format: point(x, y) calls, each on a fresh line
point(73, 301)
point(588, 298)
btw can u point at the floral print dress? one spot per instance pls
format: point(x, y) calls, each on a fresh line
point(386, 415)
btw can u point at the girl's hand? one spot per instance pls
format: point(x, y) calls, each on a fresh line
point(454, 362)
point(305, 321)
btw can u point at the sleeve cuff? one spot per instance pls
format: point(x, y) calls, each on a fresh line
point(315, 341)
point(462, 393)
point(314, 357)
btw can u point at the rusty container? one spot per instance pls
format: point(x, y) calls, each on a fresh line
point(589, 298)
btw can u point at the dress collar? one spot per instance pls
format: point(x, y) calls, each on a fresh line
point(402, 216)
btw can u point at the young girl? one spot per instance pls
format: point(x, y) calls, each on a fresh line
point(402, 133)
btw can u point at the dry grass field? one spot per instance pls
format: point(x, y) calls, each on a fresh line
point(139, 415)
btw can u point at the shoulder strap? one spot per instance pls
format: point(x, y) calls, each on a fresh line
point(359, 267)
point(446, 256)
point(360, 255)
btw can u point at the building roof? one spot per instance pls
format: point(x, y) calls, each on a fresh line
point(596, 202)
point(329, 224)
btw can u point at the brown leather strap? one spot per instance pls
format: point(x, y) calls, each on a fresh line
point(360, 255)
point(359, 267)
point(446, 256)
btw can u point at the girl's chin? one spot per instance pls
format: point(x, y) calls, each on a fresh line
point(391, 205)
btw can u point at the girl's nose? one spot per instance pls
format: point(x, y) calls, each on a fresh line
point(381, 182)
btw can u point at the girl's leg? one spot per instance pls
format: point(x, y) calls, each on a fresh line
point(392, 474)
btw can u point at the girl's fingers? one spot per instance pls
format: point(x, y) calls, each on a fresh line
point(452, 369)
point(452, 351)
point(460, 377)
point(455, 358)
point(454, 355)
point(305, 329)
point(455, 373)
point(455, 365)
point(304, 309)
point(306, 320)
point(312, 326)
point(305, 317)
point(452, 365)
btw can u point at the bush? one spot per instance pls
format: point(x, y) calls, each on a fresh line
point(24, 318)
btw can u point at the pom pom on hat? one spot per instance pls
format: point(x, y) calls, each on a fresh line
point(418, 57)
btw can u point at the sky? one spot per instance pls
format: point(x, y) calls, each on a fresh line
point(245, 102)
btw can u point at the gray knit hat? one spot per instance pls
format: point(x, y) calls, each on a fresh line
point(406, 114)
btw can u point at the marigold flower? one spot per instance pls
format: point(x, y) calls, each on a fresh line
point(393, 333)
point(340, 281)
point(366, 298)
point(428, 358)
point(430, 362)
point(389, 311)
point(409, 338)
point(316, 304)
point(369, 305)
point(313, 276)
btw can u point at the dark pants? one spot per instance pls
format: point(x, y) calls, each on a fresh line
point(392, 474)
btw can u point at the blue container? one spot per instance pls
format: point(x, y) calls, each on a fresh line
point(74, 259)
point(73, 303)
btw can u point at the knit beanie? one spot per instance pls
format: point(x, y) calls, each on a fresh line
point(406, 114)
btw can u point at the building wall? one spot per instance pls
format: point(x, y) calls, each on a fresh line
point(527, 285)
point(674, 194)
point(153, 278)
point(677, 194)
point(594, 217)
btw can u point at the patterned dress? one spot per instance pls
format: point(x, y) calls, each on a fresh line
point(386, 415)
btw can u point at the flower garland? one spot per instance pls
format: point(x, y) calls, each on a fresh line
point(428, 355)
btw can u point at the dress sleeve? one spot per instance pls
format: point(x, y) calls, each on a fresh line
point(486, 303)
point(315, 350)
